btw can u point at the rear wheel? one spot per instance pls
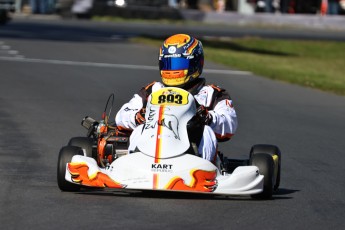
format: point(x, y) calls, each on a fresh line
point(265, 164)
point(85, 143)
point(65, 156)
point(275, 153)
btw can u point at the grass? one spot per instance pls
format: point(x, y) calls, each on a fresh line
point(315, 64)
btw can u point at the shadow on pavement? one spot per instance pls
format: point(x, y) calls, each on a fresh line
point(279, 195)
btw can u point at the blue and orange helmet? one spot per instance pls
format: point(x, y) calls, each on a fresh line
point(181, 60)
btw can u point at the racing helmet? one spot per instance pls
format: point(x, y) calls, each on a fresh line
point(181, 60)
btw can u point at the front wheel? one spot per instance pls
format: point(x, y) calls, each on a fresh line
point(275, 153)
point(65, 156)
point(85, 143)
point(265, 164)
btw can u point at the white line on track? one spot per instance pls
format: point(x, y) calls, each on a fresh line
point(110, 65)
point(5, 47)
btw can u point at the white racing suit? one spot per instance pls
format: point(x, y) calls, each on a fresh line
point(216, 100)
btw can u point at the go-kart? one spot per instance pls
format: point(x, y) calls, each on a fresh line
point(166, 157)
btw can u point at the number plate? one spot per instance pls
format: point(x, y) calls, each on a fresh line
point(170, 96)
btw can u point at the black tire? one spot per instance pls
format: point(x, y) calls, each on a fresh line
point(265, 164)
point(273, 151)
point(85, 143)
point(65, 156)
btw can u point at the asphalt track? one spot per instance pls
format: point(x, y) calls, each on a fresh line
point(50, 81)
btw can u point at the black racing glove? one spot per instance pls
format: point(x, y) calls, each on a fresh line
point(203, 115)
point(140, 116)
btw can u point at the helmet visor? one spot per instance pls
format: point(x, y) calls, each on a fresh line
point(174, 63)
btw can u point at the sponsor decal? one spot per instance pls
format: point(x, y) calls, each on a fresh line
point(79, 174)
point(156, 167)
point(202, 181)
point(151, 116)
point(172, 49)
point(169, 121)
point(172, 55)
point(128, 109)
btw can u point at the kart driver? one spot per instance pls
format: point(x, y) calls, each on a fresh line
point(181, 60)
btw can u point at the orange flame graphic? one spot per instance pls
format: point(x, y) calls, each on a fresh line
point(203, 181)
point(79, 174)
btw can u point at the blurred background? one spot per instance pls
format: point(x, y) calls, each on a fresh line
point(170, 9)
